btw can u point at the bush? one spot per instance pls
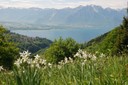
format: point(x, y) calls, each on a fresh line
point(8, 50)
point(61, 49)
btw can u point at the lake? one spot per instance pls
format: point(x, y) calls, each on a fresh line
point(80, 35)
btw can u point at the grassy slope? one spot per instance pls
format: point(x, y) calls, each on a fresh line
point(93, 44)
point(104, 43)
point(113, 43)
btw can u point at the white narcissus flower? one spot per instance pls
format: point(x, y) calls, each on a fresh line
point(50, 65)
point(71, 60)
point(37, 65)
point(37, 57)
point(93, 57)
point(80, 51)
point(75, 55)
point(29, 61)
point(18, 62)
point(65, 60)
point(61, 62)
point(25, 54)
point(102, 55)
point(25, 59)
point(1, 68)
point(85, 60)
point(85, 56)
point(33, 62)
point(83, 63)
point(89, 55)
point(43, 62)
point(81, 54)
point(39, 61)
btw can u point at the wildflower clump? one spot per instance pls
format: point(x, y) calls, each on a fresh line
point(85, 55)
point(27, 70)
point(80, 57)
point(26, 61)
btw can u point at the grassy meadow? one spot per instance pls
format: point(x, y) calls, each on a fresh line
point(84, 69)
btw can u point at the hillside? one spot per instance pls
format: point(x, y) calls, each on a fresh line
point(82, 16)
point(29, 43)
point(114, 42)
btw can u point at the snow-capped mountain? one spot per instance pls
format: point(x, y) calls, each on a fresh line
point(83, 16)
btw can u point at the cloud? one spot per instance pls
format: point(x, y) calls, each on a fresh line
point(111, 3)
point(62, 3)
point(68, 1)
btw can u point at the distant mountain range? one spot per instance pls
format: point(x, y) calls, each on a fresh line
point(82, 16)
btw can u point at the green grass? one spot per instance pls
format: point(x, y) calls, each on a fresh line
point(103, 71)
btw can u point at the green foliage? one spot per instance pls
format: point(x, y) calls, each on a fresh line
point(61, 49)
point(8, 50)
point(29, 43)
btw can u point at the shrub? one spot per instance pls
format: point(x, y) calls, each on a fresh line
point(60, 49)
point(8, 50)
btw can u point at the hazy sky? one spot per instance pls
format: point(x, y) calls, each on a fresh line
point(116, 4)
